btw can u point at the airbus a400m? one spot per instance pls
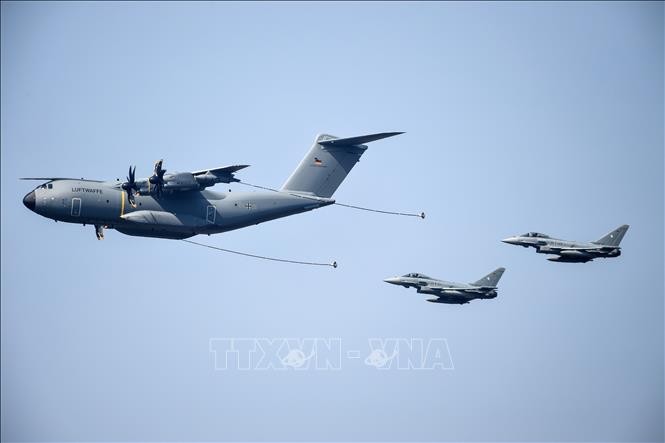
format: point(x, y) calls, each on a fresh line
point(179, 205)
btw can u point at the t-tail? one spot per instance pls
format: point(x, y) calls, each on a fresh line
point(328, 162)
point(614, 237)
point(491, 279)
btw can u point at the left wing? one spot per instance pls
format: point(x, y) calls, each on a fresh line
point(221, 170)
point(474, 290)
point(589, 249)
point(225, 174)
point(162, 183)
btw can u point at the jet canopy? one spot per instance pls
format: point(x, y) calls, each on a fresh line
point(535, 234)
point(415, 275)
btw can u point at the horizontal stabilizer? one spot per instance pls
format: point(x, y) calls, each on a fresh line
point(355, 141)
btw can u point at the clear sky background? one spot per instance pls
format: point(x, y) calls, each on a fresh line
point(518, 117)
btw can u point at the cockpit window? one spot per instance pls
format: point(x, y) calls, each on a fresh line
point(415, 275)
point(535, 234)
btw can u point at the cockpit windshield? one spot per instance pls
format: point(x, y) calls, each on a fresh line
point(415, 275)
point(535, 234)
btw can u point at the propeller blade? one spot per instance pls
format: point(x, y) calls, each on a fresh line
point(158, 168)
point(130, 185)
point(130, 198)
point(157, 178)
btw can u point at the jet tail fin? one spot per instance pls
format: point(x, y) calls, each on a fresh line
point(613, 238)
point(328, 162)
point(491, 279)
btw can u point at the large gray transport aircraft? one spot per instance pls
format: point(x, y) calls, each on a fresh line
point(450, 292)
point(178, 205)
point(569, 251)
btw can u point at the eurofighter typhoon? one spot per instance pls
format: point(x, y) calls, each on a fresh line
point(569, 251)
point(451, 292)
point(178, 205)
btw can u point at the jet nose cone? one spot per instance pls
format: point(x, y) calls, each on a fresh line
point(392, 280)
point(510, 240)
point(29, 200)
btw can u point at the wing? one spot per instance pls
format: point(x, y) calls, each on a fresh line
point(474, 290)
point(51, 179)
point(224, 170)
point(186, 181)
point(210, 177)
point(599, 248)
point(588, 249)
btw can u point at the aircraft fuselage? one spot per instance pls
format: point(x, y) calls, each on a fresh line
point(175, 215)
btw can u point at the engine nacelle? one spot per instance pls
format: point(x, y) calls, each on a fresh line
point(490, 294)
point(210, 179)
point(181, 181)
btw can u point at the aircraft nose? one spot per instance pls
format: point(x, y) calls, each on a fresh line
point(29, 200)
point(392, 280)
point(510, 240)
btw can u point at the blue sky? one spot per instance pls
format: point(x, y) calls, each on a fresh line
point(518, 117)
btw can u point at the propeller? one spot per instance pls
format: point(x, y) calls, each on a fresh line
point(130, 186)
point(157, 178)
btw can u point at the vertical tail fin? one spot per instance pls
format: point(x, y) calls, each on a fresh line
point(328, 163)
point(491, 279)
point(614, 237)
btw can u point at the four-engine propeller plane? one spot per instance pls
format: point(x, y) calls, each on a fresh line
point(450, 292)
point(569, 251)
point(178, 205)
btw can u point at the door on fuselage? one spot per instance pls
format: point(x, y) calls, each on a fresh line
point(76, 207)
point(211, 214)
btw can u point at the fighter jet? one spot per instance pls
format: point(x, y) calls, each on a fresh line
point(178, 205)
point(568, 251)
point(450, 292)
